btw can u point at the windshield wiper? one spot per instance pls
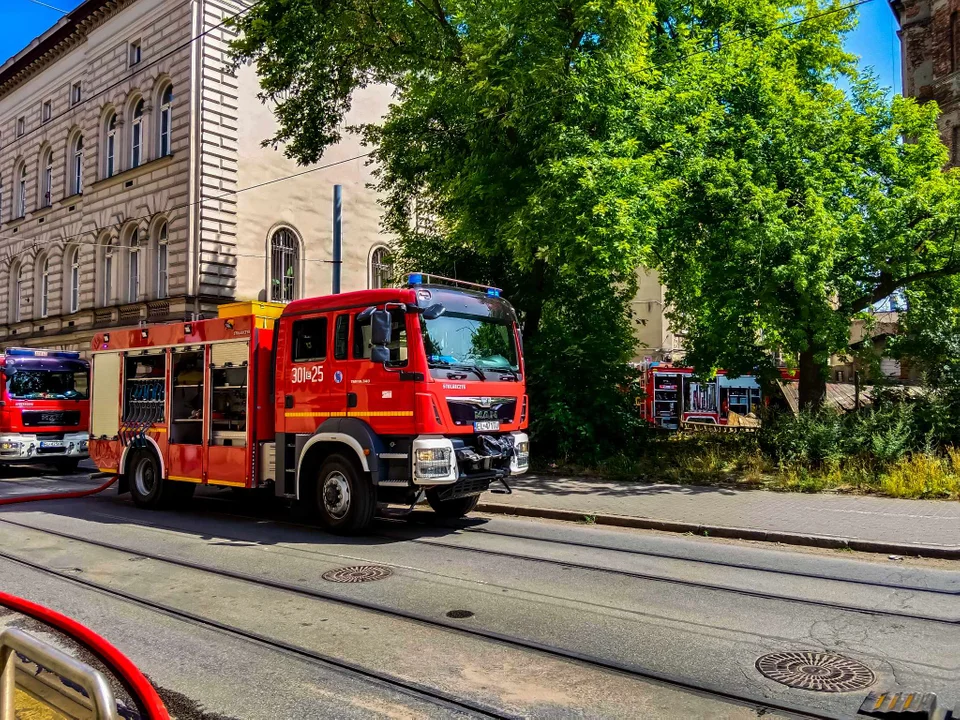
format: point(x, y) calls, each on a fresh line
point(516, 374)
point(472, 368)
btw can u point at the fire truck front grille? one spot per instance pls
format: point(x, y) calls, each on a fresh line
point(35, 418)
point(468, 410)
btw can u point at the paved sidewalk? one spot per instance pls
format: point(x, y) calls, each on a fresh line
point(924, 527)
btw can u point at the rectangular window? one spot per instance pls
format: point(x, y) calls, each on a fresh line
point(165, 132)
point(135, 154)
point(75, 285)
point(310, 339)
point(110, 143)
point(341, 337)
point(163, 282)
point(398, 341)
point(76, 93)
point(21, 126)
point(134, 52)
point(47, 111)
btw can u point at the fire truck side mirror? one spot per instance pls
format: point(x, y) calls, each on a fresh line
point(380, 354)
point(380, 327)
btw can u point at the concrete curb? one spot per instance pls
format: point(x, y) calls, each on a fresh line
point(945, 552)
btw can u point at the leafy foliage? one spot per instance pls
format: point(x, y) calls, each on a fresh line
point(555, 146)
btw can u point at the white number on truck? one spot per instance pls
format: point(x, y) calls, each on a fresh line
point(308, 374)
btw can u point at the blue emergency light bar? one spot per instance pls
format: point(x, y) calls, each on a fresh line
point(414, 279)
point(29, 352)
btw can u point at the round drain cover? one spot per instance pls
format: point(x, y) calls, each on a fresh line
point(358, 574)
point(821, 672)
point(459, 614)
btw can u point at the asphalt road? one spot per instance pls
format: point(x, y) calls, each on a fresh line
point(224, 606)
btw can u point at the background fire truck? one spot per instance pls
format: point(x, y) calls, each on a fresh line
point(45, 407)
point(344, 401)
point(672, 395)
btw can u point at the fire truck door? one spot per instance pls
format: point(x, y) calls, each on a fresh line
point(315, 387)
point(382, 397)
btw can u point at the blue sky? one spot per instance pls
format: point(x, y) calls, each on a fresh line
point(874, 40)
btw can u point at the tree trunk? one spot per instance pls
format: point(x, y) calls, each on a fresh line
point(531, 321)
point(813, 384)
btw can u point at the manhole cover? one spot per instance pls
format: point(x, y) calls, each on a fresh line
point(358, 574)
point(822, 672)
point(459, 614)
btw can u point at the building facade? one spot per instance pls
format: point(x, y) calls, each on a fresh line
point(930, 60)
point(134, 186)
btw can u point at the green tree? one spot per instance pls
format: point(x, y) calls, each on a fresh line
point(560, 144)
point(798, 206)
point(515, 124)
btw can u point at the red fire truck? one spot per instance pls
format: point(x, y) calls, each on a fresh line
point(44, 408)
point(672, 394)
point(344, 401)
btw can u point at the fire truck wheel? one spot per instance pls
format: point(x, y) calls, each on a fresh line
point(147, 486)
point(343, 496)
point(451, 508)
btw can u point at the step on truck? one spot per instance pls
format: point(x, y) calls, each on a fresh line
point(44, 407)
point(348, 402)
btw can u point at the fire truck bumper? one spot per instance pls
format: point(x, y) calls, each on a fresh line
point(27, 448)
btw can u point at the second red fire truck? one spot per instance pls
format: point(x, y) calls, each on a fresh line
point(44, 407)
point(344, 401)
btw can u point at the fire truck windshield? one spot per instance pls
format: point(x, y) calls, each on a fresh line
point(471, 342)
point(64, 383)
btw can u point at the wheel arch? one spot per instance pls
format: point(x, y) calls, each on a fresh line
point(350, 436)
point(151, 443)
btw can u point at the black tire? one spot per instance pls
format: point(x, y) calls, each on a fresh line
point(343, 496)
point(66, 465)
point(147, 488)
point(450, 509)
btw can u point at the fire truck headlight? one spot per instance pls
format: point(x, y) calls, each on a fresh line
point(521, 454)
point(9, 445)
point(433, 461)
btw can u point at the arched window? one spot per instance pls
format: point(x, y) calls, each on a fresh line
point(76, 179)
point(111, 146)
point(17, 299)
point(73, 281)
point(133, 267)
point(46, 185)
point(284, 263)
point(43, 275)
point(21, 207)
point(381, 267)
point(136, 135)
point(166, 117)
point(163, 262)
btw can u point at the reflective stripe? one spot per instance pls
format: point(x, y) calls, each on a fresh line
point(231, 483)
point(182, 478)
point(374, 413)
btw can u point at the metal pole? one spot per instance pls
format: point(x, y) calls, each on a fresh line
point(337, 237)
point(7, 683)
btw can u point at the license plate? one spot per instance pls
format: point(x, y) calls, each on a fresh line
point(486, 426)
point(51, 443)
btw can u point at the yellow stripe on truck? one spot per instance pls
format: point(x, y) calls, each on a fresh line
point(373, 413)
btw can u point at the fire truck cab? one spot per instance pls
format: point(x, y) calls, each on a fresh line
point(346, 402)
point(44, 407)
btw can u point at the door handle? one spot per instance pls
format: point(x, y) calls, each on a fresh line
point(288, 401)
point(351, 400)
